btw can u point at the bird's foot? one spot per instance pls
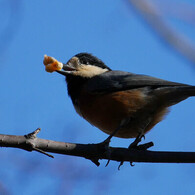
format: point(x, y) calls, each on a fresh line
point(134, 146)
point(105, 144)
point(101, 148)
point(135, 143)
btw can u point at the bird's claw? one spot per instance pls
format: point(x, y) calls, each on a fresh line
point(121, 163)
point(131, 163)
point(101, 148)
point(134, 145)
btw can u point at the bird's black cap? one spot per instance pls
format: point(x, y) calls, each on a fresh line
point(89, 59)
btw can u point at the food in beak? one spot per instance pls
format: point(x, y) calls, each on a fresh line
point(51, 64)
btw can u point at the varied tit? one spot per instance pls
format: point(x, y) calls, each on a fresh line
point(121, 104)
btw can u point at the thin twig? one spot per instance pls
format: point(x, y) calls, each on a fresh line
point(152, 16)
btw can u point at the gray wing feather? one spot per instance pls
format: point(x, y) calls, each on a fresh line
point(113, 81)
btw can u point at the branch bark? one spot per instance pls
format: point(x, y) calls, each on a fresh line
point(94, 152)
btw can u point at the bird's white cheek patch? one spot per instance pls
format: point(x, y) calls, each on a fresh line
point(89, 71)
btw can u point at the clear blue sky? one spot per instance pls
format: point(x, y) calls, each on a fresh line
point(32, 98)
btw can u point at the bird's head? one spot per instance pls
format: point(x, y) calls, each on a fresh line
point(82, 65)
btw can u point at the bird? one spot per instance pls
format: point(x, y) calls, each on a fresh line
point(121, 104)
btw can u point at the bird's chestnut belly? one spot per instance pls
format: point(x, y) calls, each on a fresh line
point(108, 110)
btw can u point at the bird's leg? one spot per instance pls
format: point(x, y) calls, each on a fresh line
point(104, 146)
point(122, 124)
point(134, 145)
point(137, 140)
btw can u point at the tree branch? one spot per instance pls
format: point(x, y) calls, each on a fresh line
point(94, 152)
point(152, 16)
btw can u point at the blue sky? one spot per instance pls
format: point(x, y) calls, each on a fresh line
point(31, 97)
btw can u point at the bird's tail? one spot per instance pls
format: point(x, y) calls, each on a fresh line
point(173, 95)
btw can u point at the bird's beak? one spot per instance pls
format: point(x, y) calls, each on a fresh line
point(66, 70)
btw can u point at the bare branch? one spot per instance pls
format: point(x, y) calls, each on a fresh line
point(94, 152)
point(184, 11)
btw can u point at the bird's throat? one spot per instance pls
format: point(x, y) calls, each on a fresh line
point(75, 85)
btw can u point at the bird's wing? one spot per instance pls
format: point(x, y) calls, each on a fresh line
point(113, 81)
